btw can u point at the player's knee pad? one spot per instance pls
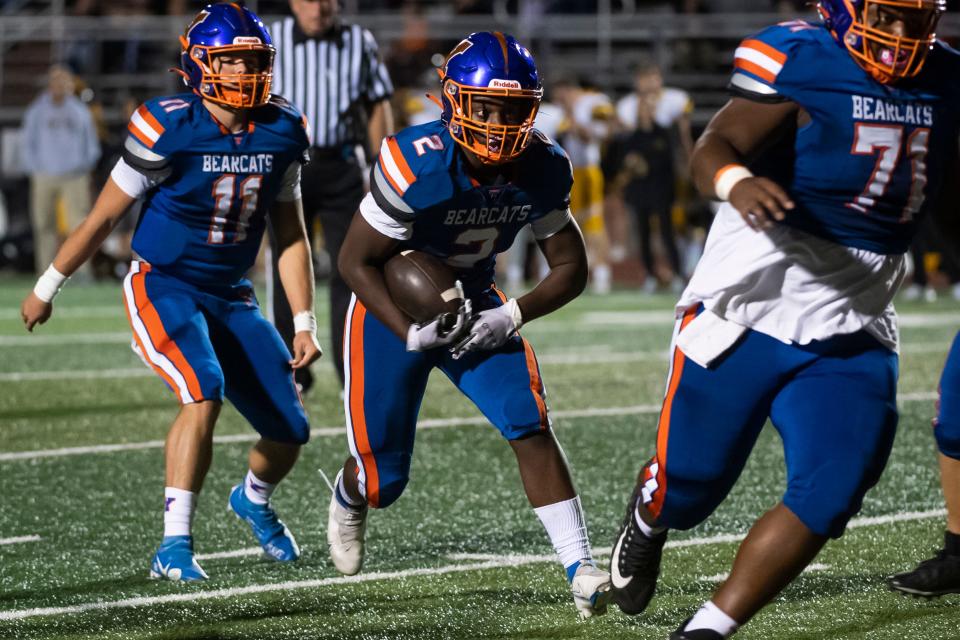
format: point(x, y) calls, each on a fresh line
point(392, 475)
point(947, 429)
point(683, 497)
point(947, 434)
point(210, 378)
point(826, 502)
point(288, 426)
point(521, 416)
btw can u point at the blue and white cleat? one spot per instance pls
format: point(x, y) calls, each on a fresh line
point(590, 587)
point(277, 541)
point(174, 561)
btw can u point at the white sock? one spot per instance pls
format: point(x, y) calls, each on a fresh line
point(256, 490)
point(340, 492)
point(646, 529)
point(567, 530)
point(178, 511)
point(711, 617)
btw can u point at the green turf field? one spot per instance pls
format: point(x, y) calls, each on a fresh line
point(461, 555)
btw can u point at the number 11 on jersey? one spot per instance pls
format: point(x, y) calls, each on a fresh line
point(226, 195)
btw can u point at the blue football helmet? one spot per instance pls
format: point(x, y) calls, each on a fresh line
point(227, 28)
point(490, 65)
point(857, 25)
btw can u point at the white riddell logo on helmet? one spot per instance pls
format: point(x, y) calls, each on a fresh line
point(247, 40)
point(496, 83)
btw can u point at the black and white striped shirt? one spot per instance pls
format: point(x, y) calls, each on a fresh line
point(331, 78)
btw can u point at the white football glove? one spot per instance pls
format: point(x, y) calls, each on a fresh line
point(491, 329)
point(444, 330)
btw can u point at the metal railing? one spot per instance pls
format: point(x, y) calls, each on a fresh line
point(602, 45)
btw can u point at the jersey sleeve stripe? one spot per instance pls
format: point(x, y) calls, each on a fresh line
point(145, 127)
point(382, 168)
point(755, 69)
point(400, 161)
point(752, 59)
point(381, 183)
point(762, 47)
point(399, 178)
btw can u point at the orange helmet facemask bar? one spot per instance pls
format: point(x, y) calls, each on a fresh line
point(234, 90)
point(905, 56)
point(476, 135)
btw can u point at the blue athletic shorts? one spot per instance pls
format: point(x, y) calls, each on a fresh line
point(207, 343)
point(833, 403)
point(385, 385)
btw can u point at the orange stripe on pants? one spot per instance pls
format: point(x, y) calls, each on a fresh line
point(158, 336)
point(663, 426)
point(536, 384)
point(357, 418)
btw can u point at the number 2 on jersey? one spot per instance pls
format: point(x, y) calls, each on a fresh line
point(887, 142)
point(226, 194)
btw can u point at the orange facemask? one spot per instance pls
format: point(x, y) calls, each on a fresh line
point(888, 57)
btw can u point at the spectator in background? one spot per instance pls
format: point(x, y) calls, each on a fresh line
point(59, 150)
point(642, 172)
point(671, 111)
point(588, 117)
point(332, 72)
point(671, 107)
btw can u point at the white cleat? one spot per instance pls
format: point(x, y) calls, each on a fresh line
point(591, 591)
point(345, 531)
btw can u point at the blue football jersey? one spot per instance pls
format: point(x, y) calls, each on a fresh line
point(873, 156)
point(421, 187)
point(204, 221)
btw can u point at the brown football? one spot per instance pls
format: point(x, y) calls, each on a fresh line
point(421, 285)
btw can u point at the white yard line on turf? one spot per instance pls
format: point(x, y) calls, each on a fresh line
point(488, 561)
point(236, 553)
point(143, 372)
point(30, 340)
point(603, 552)
point(602, 355)
point(84, 374)
point(720, 577)
point(102, 311)
point(436, 423)
point(18, 539)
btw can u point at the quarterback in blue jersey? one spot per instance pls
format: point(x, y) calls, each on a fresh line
point(461, 188)
point(837, 139)
point(209, 166)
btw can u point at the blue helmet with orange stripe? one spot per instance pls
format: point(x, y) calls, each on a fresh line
point(489, 66)
point(890, 39)
point(227, 29)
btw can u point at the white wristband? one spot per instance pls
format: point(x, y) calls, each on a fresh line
point(49, 284)
point(727, 178)
point(514, 310)
point(305, 321)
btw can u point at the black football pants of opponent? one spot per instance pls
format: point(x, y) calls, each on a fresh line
point(332, 188)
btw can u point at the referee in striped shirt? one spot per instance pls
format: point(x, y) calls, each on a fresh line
point(332, 72)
